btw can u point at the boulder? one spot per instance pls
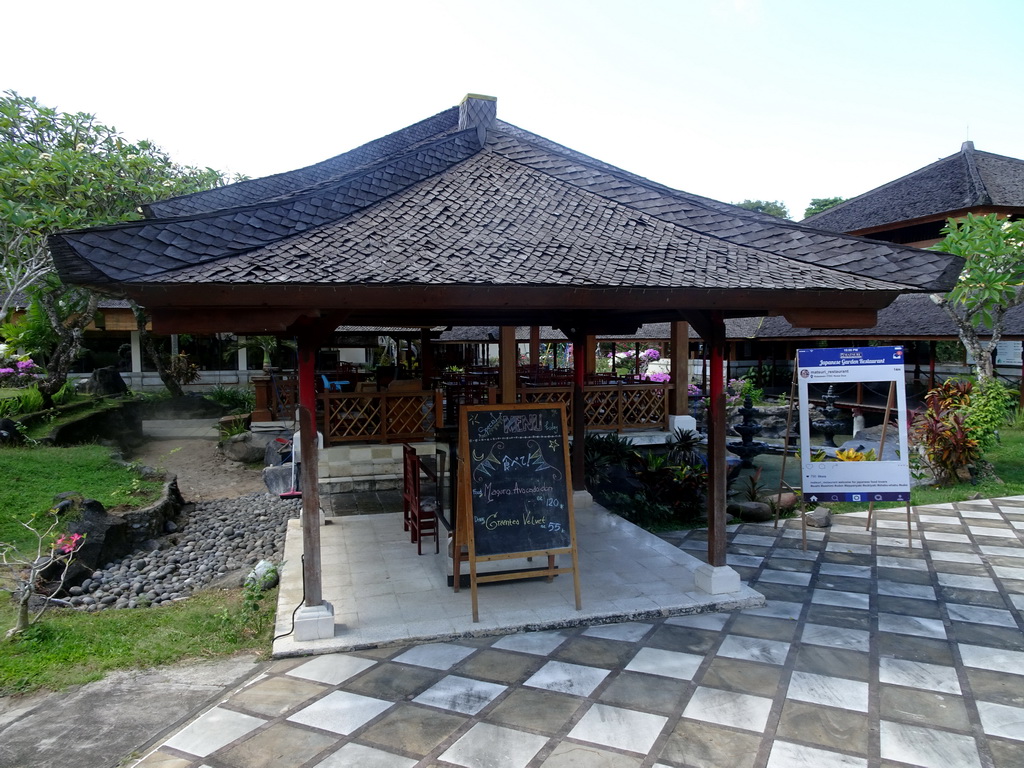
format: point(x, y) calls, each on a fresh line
point(783, 501)
point(265, 574)
point(819, 517)
point(9, 433)
point(279, 479)
point(104, 381)
point(107, 538)
point(750, 511)
point(245, 448)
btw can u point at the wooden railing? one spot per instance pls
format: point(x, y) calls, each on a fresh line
point(410, 416)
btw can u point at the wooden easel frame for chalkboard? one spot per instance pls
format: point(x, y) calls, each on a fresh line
point(466, 527)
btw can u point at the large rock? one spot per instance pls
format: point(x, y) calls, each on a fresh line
point(107, 538)
point(104, 381)
point(819, 517)
point(9, 433)
point(278, 479)
point(750, 511)
point(249, 447)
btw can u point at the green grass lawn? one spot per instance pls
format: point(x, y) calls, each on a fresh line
point(69, 648)
point(32, 476)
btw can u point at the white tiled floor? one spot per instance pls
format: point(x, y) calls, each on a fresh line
point(383, 592)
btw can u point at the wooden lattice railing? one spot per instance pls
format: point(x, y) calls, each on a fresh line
point(410, 416)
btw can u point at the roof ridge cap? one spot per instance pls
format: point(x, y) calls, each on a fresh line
point(979, 194)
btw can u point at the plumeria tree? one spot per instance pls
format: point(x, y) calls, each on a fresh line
point(992, 282)
point(61, 171)
point(52, 553)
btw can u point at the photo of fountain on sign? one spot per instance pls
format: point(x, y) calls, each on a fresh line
point(844, 388)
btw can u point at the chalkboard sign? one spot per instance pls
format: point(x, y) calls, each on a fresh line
point(518, 480)
point(516, 488)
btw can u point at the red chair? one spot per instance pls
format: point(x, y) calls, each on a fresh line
point(419, 515)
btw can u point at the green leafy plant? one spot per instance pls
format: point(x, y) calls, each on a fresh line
point(989, 410)
point(948, 445)
point(238, 400)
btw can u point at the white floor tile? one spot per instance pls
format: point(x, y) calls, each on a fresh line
point(738, 710)
point(435, 655)
point(836, 637)
point(911, 625)
point(563, 677)
point(777, 609)
point(341, 712)
point(785, 577)
point(213, 730)
point(331, 668)
point(995, 659)
point(627, 631)
point(788, 755)
point(712, 621)
point(836, 597)
point(977, 614)
point(828, 691)
point(619, 728)
point(841, 569)
point(353, 754)
point(537, 643)
point(902, 589)
point(927, 747)
point(460, 694)
point(918, 674)
point(655, 661)
point(961, 581)
point(495, 747)
point(1001, 720)
point(754, 649)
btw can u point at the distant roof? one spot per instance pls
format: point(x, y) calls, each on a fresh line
point(463, 218)
point(967, 180)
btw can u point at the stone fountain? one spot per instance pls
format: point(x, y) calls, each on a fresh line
point(829, 425)
point(748, 448)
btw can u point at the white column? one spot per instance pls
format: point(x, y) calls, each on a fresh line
point(136, 352)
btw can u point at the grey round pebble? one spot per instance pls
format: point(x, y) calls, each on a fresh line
point(219, 535)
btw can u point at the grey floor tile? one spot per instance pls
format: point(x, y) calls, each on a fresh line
point(711, 621)
point(821, 660)
point(695, 743)
point(925, 708)
point(827, 728)
point(627, 631)
point(743, 677)
point(779, 609)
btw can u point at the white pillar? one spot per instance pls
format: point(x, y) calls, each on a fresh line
point(243, 355)
point(136, 352)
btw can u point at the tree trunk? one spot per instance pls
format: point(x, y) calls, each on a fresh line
point(146, 339)
point(69, 333)
point(980, 350)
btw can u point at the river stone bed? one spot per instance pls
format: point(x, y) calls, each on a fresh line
point(220, 537)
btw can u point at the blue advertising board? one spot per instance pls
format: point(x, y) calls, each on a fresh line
point(826, 477)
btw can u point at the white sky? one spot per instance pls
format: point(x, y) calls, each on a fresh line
point(732, 99)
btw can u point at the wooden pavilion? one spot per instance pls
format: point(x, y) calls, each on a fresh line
point(464, 219)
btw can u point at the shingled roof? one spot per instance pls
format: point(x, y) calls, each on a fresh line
point(949, 187)
point(463, 217)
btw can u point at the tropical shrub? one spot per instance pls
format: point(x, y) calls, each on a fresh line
point(949, 447)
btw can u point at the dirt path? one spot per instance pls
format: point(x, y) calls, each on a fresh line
point(203, 472)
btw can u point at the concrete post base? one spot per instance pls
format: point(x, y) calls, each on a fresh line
point(684, 423)
point(582, 500)
point(716, 581)
point(314, 622)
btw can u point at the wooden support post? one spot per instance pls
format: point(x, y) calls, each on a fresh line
point(717, 470)
point(679, 370)
point(507, 363)
point(534, 345)
point(590, 350)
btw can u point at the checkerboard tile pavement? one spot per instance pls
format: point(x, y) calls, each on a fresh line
point(867, 653)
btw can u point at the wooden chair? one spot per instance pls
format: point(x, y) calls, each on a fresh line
point(419, 514)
